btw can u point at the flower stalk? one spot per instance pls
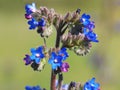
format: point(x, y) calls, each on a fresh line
point(53, 81)
point(73, 32)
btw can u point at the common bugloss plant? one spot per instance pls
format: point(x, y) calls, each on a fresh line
point(73, 32)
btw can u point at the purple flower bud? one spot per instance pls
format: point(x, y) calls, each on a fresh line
point(27, 16)
point(64, 67)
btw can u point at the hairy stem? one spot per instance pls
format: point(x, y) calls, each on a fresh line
point(60, 76)
point(57, 45)
point(53, 80)
point(44, 41)
point(58, 39)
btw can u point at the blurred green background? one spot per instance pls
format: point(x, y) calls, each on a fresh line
point(15, 41)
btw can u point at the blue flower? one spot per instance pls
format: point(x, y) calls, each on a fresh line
point(33, 88)
point(42, 22)
point(90, 35)
point(56, 58)
point(85, 19)
point(63, 53)
point(37, 54)
point(30, 8)
point(91, 85)
point(33, 23)
point(91, 26)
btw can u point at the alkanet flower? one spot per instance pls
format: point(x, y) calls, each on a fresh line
point(36, 59)
point(63, 53)
point(33, 88)
point(30, 8)
point(33, 23)
point(37, 54)
point(42, 22)
point(91, 26)
point(91, 85)
point(56, 59)
point(85, 19)
point(90, 35)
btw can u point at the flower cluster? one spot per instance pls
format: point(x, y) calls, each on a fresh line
point(88, 28)
point(80, 34)
point(36, 59)
point(89, 85)
point(33, 20)
point(56, 60)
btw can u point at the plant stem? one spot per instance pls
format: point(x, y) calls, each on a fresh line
point(53, 80)
point(58, 39)
point(57, 45)
point(53, 75)
point(60, 79)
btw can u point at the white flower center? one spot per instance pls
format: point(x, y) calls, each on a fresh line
point(37, 55)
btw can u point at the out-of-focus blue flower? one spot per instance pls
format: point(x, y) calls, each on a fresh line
point(65, 87)
point(33, 23)
point(27, 60)
point(90, 35)
point(63, 53)
point(91, 85)
point(30, 8)
point(64, 67)
point(55, 60)
point(37, 54)
point(85, 19)
point(33, 88)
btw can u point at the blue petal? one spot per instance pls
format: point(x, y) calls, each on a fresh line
point(42, 22)
point(37, 60)
point(32, 57)
point(28, 88)
point(42, 55)
point(50, 61)
point(86, 22)
point(33, 51)
point(86, 16)
point(33, 23)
